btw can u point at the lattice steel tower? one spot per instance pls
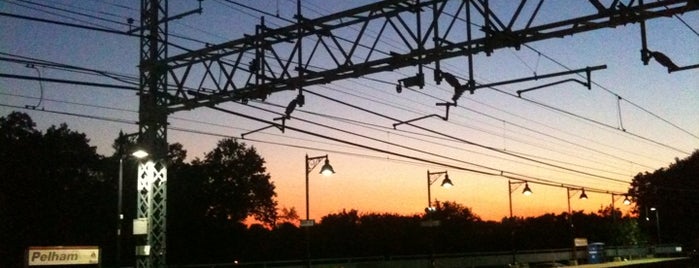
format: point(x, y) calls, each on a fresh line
point(152, 173)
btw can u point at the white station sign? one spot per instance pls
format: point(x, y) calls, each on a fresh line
point(40, 256)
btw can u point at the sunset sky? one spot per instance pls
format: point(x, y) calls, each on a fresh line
point(635, 118)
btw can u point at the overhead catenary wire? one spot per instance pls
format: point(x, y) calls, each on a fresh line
point(511, 123)
point(128, 79)
point(75, 13)
point(619, 97)
point(610, 91)
point(400, 131)
point(518, 125)
point(95, 27)
point(561, 110)
point(343, 119)
point(221, 125)
point(501, 172)
point(53, 13)
point(502, 120)
point(463, 140)
point(383, 141)
point(358, 145)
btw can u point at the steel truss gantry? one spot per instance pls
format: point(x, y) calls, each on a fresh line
point(347, 44)
point(427, 31)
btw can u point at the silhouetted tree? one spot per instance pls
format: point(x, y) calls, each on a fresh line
point(387, 234)
point(287, 215)
point(286, 242)
point(19, 147)
point(672, 191)
point(52, 190)
point(335, 236)
point(236, 184)
point(620, 229)
point(209, 199)
point(456, 227)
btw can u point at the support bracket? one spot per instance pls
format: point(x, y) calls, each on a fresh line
point(278, 126)
point(445, 117)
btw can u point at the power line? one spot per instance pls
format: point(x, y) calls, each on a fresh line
point(591, 121)
point(619, 96)
point(99, 29)
point(610, 91)
point(67, 24)
point(65, 81)
point(71, 103)
point(463, 140)
point(563, 112)
point(566, 132)
point(383, 128)
point(57, 14)
point(358, 145)
point(503, 120)
point(102, 118)
point(423, 160)
point(129, 79)
point(344, 119)
point(498, 119)
point(75, 13)
point(98, 12)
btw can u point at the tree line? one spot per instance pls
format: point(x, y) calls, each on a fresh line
point(55, 189)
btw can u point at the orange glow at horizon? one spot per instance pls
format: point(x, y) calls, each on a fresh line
point(385, 186)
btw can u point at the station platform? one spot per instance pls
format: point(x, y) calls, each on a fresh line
point(650, 262)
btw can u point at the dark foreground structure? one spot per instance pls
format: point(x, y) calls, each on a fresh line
point(663, 256)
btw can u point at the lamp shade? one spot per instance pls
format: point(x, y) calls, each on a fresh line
point(527, 191)
point(327, 169)
point(446, 183)
point(583, 195)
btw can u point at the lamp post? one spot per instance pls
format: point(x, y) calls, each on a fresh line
point(583, 196)
point(120, 216)
point(657, 223)
point(627, 202)
point(615, 197)
point(327, 170)
point(432, 177)
point(527, 192)
point(120, 189)
point(139, 153)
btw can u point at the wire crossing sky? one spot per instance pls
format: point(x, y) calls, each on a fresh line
point(72, 61)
